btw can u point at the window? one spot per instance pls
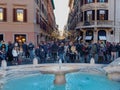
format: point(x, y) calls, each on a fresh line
point(89, 1)
point(37, 1)
point(102, 14)
point(37, 17)
point(81, 2)
point(81, 16)
point(43, 8)
point(20, 38)
point(1, 37)
point(89, 16)
point(19, 15)
point(102, 1)
point(3, 16)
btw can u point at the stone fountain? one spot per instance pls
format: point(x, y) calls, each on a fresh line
point(113, 70)
point(59, 71)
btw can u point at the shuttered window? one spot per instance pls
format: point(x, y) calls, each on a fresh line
point(3, 14)
point(19, 15)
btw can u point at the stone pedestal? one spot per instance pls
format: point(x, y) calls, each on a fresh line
point(114, 76)
point(60, 79)
point(35, 61)
point(59, 71)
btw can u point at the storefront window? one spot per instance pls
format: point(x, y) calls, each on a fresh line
point(1, 37)
point(20, 38)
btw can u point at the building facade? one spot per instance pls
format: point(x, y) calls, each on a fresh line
point(25, 21)
point(95, 20)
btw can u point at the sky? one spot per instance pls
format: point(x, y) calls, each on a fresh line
point(61, 13)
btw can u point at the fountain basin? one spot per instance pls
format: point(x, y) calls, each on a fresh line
point(75, 81)
point(22, 71)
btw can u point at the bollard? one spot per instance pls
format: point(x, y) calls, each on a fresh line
point(92, 61)
point(3, 64)
point(35, 61)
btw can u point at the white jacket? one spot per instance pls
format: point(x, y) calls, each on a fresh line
point(15, 53)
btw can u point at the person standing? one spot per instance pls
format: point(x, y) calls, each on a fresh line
point(73, 52)
point(15, 53)
point(113, 51)
point(61, 52)
point(54, 51)
point(9, 52)
point(31, 50)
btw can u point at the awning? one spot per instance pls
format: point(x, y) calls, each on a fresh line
point(88, 38)
point(102, 37)
point(79, 38)
point(76, 38)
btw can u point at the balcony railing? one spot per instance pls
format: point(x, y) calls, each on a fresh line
point(92, 24)
point(92, 6)
point(105, 22)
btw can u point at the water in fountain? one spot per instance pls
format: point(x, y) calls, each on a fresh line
point(92, 61)
point(60, 64)
point(75, 81)
point(3, 64)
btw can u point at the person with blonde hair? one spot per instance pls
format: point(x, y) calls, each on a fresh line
point(73, 52)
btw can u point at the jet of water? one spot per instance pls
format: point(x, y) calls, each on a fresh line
point(60, 63)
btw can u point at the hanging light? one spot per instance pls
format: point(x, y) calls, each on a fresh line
point(17, 38)
point(23, 39)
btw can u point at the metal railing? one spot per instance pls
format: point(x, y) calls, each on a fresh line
point(98, 23)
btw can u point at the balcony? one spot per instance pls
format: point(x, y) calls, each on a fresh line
point(92, 6)
point(105, 23)
point(97, 24)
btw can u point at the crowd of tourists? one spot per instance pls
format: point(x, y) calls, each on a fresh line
point(68, 52)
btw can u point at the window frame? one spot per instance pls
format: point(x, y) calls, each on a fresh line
point(4, 14)
point(102, 16)
point(20, 11)
point(15, 18)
